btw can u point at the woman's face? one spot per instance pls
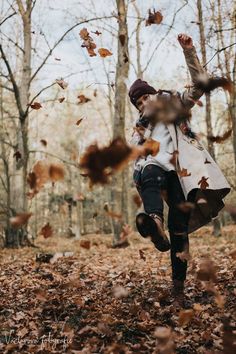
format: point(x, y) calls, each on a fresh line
point(141, 102)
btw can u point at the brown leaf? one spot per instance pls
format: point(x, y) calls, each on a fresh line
point(58, 59)
point(184, 172)
point(62, 83)
point(207, 271)
point(61, 99)
point(20, 219)
point(151, 146)
point(203, 183)
point(85, 244)
point(97, 32)
point(185, 316)
point(35, 105)
point(137, 200)
point(220, 139)
point(103, 52)
point(56, 172)
point(173, 159)
point(83, 99)
point(206, 161)
point(88, 42)
point(17, 155)
point(154, 17)
point(46, 231)
point(207, 84)
point(43, 142)
point(79, 121)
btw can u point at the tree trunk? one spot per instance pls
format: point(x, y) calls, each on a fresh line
point(122, 68)
point(215, 222)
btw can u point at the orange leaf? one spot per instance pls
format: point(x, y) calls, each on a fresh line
point(35, 105)
point(184, 172)
point(46, 231)
point(154, 17)
point(104, 52)
point(56, 172)
point(20, 219)
point(62, 83)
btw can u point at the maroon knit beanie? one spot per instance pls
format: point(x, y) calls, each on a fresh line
point(138, 89)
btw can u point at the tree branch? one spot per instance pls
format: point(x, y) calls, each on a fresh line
point(14, 84)
point(62, 37)
point(53, 155)
point(7, 18)
point(218, 51)
point(169, 29)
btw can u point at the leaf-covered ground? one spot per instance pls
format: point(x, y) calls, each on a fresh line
point(105, 300)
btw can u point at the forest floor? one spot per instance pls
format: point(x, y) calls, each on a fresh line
point(105, 300)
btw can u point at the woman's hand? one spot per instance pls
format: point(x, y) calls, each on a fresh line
point(185, 41)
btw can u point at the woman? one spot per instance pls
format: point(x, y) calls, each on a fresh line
point(182, 173)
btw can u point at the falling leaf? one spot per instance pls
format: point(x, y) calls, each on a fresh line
point(88, 42)
point(154, 17)
point(162, 333)
point(46, 231)
point(43, 142)
point(83, 99)
point(32, 180)
point(184, 172)
point(207, 84)
point(207, 271)
point(185, 316)
point(206, 161)
point(97, 32)
point(220, 139)
point(58, 59)
point(203, 183)
point(173, 159)
point(199, 103)
point(61, 99)
point(20, 219)
point(62, 83)
point(35, 105)
point(183, 256)
point(119, 292)
point(17, 155)
point(95, 93)
point(152, 146)
point(137, 200)
point(104, 52)
point(85, 244)
point(79, 121)
point(56, 172)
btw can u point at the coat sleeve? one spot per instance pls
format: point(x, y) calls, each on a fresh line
point(196, 70)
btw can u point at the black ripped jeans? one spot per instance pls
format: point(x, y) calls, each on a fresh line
point(154, 184)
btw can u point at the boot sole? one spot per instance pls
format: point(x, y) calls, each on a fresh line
point(146, 226)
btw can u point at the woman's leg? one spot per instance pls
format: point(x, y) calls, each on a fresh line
point(152, 181)
point(178, 226)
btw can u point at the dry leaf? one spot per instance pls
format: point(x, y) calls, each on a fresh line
point(62, 84)
point(220, 139)
point(20, 219)
point(43, 142)
point(203, 183)
point(183, 172)
point(46, 231)
point(154, 17)
point(103, 52)
point(185, 316)
point(35, 105)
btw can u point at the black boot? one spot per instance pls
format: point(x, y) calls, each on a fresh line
point(152, 226)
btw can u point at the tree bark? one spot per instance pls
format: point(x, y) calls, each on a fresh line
point(118, 195)
point(215, 222)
